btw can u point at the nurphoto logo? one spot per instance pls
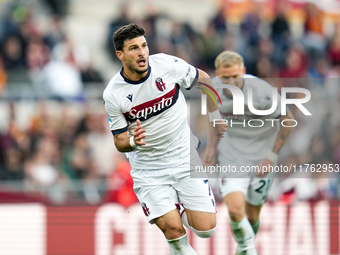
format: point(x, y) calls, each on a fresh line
point(239, 103)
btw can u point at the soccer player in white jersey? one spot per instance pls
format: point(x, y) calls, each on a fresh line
point(245, 145)
point(148, 118)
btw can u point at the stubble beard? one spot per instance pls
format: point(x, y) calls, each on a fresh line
point(136, 70)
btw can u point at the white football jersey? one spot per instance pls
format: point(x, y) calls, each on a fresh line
point(156, 100)
point(249, 137)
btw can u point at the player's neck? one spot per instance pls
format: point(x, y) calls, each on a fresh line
point(133, 75)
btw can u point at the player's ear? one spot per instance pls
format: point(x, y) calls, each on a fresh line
point(217, 73)
point(244, 70)
point(120, 55)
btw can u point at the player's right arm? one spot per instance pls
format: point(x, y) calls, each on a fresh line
point(119, 127)
point(125, 143)
point(211, 153)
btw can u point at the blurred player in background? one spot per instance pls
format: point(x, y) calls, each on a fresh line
point(148, 118)
point(244, 145)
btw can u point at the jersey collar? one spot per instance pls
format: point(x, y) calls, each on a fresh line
point(136, 82)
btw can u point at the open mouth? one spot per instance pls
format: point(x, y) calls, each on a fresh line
point(142, 62)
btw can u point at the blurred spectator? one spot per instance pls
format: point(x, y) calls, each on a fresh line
point(80, 159)
point(14, 14)
point(12, 168)
point(89, 74)
point(259, 59)
point(250, 27)
point(295, 63)
point(219, 22)
point(60, 75)
point(280, 26)
point(13, 52)
point(12, 153)
point(314, 39)
point(102, 150)
point(209, 48)
point(263, 68)
point(55, 33)
point(14, 59)
point(115, 23)
point(313, 21)
point(318, 68)
point(280, 33)
point(180, 38)
point(58, 7)
point(41, 169)
point(120, 185)
point(37, 54)
point(3, 76)
point(333, 50)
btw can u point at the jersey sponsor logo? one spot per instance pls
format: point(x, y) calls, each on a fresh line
point(151, 108)
point(188, 72)
point(129, 97)
point(146, 209)
point(160, 84)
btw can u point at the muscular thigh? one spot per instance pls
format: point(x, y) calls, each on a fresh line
point(198, 200)
point(195, 193)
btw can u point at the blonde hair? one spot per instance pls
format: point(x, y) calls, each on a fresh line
point(228, 59)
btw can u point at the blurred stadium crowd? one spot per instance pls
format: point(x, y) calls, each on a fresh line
point(54, 137)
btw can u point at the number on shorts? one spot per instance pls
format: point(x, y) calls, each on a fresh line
point(263, 183)
point(207, 182)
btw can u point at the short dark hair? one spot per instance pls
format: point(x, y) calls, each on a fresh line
point(127, 32)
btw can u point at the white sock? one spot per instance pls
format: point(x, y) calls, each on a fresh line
point(180, 246)
point(244, 236)
point(256, 227)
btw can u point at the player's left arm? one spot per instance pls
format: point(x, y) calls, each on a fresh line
point(190, 76)
point(284, 131)
point(281, 139)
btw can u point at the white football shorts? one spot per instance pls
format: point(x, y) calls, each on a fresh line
point(255, 189)
point(161, 191)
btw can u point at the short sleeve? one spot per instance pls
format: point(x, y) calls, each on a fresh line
point(187, 74)
point(117, 121)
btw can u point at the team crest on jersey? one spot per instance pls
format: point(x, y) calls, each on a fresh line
point(160, 84)
point(146, 210)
